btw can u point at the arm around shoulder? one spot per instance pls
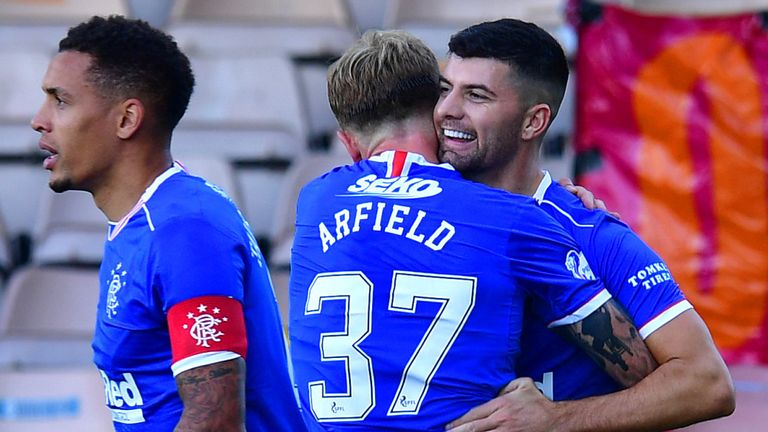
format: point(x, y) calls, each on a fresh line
point(691, 384)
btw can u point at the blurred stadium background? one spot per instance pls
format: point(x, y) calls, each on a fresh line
point(259, 125)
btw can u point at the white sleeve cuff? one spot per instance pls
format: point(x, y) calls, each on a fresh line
point(584, 311)
point(202, 359)
point(668, 315)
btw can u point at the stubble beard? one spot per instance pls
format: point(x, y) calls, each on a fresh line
point(470, 165)
point(61, 185)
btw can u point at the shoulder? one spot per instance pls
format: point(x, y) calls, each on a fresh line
point(336, 178)
point(524, 219)
point(185, 202)
point(570, 212)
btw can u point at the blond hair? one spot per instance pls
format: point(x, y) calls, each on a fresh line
point(385, 76)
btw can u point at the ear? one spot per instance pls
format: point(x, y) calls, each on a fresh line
point(350, 143)
point(131, 116)
point(536, 121)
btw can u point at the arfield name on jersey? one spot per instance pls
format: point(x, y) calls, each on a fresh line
point(394, 187)
point(395, 219)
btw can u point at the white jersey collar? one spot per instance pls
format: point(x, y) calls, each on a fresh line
point(148, 192)
point(174, 169)
point(544, 184)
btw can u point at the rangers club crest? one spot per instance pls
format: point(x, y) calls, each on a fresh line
point(204, 326)
point(115, 283)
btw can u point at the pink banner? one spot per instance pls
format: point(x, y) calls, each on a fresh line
point(672, 125)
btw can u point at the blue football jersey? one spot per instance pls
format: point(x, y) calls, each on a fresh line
point(407, 291)
point(183, 240)
point(633, 273)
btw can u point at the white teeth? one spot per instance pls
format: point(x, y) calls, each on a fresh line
point(450, 133)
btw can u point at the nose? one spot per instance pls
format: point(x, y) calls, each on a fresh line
point(40, 121)
point(448, 106)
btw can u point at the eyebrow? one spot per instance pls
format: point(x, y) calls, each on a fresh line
point(55, 91)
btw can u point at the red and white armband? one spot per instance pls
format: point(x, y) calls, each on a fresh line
point(206, 330)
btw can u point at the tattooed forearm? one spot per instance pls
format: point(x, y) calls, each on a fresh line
point(213, 396)
point(610, 338)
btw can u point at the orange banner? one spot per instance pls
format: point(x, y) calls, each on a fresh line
point(673, 117)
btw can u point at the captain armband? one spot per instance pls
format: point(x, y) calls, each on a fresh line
point(209, 328)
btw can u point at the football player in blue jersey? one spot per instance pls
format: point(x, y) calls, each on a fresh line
point(501, 88)
point(188, 336)
point(408, 283)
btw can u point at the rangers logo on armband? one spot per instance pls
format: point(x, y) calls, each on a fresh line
point(205, 327)
point(206, 324)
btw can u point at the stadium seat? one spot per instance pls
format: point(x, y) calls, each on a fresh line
point(53, 399)
point(368, 14)
point(37, 26)
point(155, 12)
point(298, 28)
point(70, 229)
point(6, 254)
point(243, 108)
point(314, 96)
point(248, 111)
point(31, 37)
point(47, 317)
point(20, 98)
point(59, 11)
point(434, 21)
point(309, 32)
point(22, 183)
point(280, 280)
point(50, 301)
point(259, 186)
point(301, 172)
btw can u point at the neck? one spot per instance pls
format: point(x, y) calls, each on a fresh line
point(411, 145)
point(412, 137)
point(520, 175)
point(116, 195)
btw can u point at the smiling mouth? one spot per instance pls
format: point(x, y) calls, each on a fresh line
point(458, 135)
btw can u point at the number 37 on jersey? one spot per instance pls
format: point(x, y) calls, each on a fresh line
point(454, 298)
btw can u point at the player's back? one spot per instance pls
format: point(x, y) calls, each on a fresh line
point(403, 285)
point(623, 262)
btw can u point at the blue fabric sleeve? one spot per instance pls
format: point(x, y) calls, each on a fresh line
point(193, 258)
point(553, 271)
point(634, 274)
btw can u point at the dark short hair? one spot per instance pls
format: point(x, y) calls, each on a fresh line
point(130, 58)
point(530, 51)
point(385, 76)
